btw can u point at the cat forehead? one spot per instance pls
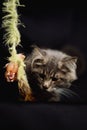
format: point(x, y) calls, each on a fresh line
point(48, 54)
point(50, 67)
point(54, 53)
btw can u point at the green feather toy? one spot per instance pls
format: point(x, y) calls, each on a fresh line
point(12, 39)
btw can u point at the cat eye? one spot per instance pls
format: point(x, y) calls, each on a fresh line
point(42, 76)
point(64, 71)
point(61, 79)
point(54, 79)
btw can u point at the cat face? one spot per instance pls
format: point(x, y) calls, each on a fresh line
point(49, 77)
point(50, 72)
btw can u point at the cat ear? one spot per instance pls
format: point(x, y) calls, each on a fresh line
point(70, 62)
point(70, 59)
point(37, 51)
point(38, 61)
point(38, 58)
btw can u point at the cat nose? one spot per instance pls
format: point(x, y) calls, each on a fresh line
point(46, 84)
point(45, 87)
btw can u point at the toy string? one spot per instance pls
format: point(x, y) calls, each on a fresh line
point(12, 38)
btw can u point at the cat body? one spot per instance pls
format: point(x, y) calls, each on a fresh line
point(50, 73)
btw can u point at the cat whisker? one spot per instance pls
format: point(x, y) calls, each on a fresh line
point(73, 85)
point(68, 95)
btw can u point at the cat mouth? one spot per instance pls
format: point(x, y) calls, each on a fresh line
point(50, 89)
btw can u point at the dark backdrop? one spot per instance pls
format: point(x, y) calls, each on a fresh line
point(48, 25)
point(51, 26)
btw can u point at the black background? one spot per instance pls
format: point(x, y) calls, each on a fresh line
point(48, 25)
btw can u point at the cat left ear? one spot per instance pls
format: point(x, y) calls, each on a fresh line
point(70, 62)
point(70, 59)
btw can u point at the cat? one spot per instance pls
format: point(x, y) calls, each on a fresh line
point(50, 73)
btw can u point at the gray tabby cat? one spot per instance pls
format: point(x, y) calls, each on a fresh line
point(49, 73)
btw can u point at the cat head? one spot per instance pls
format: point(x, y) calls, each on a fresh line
point(50, 71)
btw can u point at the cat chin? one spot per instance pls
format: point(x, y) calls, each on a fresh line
point(51, 89)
